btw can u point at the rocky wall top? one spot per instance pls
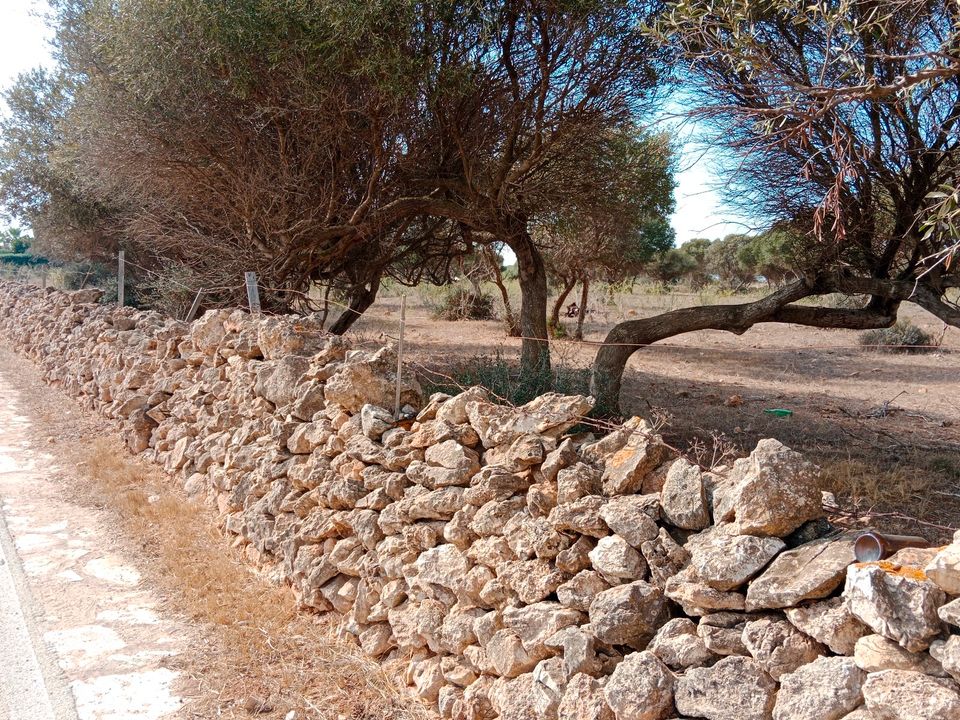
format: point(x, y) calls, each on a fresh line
point(521, 571)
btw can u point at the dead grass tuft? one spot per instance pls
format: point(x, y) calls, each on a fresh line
point(268, 657)
point(866, 484)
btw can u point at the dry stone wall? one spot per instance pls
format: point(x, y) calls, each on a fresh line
point(521, 571)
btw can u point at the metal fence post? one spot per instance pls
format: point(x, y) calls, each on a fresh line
point(195, 306)
point(120, 278)
point(253, 293)
point(403, 324)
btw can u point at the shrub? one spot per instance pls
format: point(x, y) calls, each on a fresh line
point(504, 380)
point(463, 304)
point(903, 337)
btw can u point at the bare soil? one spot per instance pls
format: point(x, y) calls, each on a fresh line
point(885, 427)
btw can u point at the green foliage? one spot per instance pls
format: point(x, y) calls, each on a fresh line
point(504, 380)
point(459, 303)
point(669, 267)
point(21, 259)
point(724, 260)
point(902, 337)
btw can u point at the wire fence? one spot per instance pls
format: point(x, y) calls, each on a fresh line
point(200, 292)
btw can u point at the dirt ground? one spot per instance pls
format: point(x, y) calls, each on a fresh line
point(885, 427)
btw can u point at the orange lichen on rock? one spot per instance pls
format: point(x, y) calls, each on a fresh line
point(911, 573)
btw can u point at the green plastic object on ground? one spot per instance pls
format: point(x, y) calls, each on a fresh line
point(779, 412)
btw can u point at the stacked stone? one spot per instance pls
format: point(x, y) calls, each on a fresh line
point(519, 568)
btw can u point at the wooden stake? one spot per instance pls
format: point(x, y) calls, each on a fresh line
point(120, 278)
point(253, 292)
point(196, 306)
point(403, 324)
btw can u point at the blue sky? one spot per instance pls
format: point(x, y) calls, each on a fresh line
point(700, 212)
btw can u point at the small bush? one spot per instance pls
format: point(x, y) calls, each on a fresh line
point(463, 304)
point(504, 380)
point(903, 337)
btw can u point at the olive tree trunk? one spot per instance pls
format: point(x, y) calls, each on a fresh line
point(535, 349)
point(625, 338)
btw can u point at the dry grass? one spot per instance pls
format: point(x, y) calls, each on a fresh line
point(266, 657)
point(917, 494)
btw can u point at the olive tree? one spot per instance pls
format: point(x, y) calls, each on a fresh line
point(842, 118)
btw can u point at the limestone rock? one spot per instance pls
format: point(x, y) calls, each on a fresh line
point(906, 695)
point(514, 698)
point(944, 569)
point(826, 689)
point(371, 378)
point(874, 653)
point(584, 700)
point(725, 559)
point(678, 645)
point(549, 683)
point(722, 633)
point(683, 498)
point(947, 653)
point(579, 591)
point(736, 687)
point(578, 649)
point(614, 558)
point(577, 481)
point(809, 572)
point(950, 613)
point(625, 470)
point(509, 657)
point(633, 517)
point(829, 622)
point(626, 613)
point(550, 415)
point(535, 624)
point(277, 379)
point(640, 688)
point(664, 557)
point(900, 605)
point(779, 647)
point(776, 492)
point(454, 410)
point(375, 421)
point(581, 516)
point(697, 598)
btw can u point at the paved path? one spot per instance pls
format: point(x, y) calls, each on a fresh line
point(81, 637)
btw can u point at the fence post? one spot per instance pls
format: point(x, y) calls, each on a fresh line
point(120, 279)
point(403, 324)
point(196, 306)
point(253, 293)
point(43, 279)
